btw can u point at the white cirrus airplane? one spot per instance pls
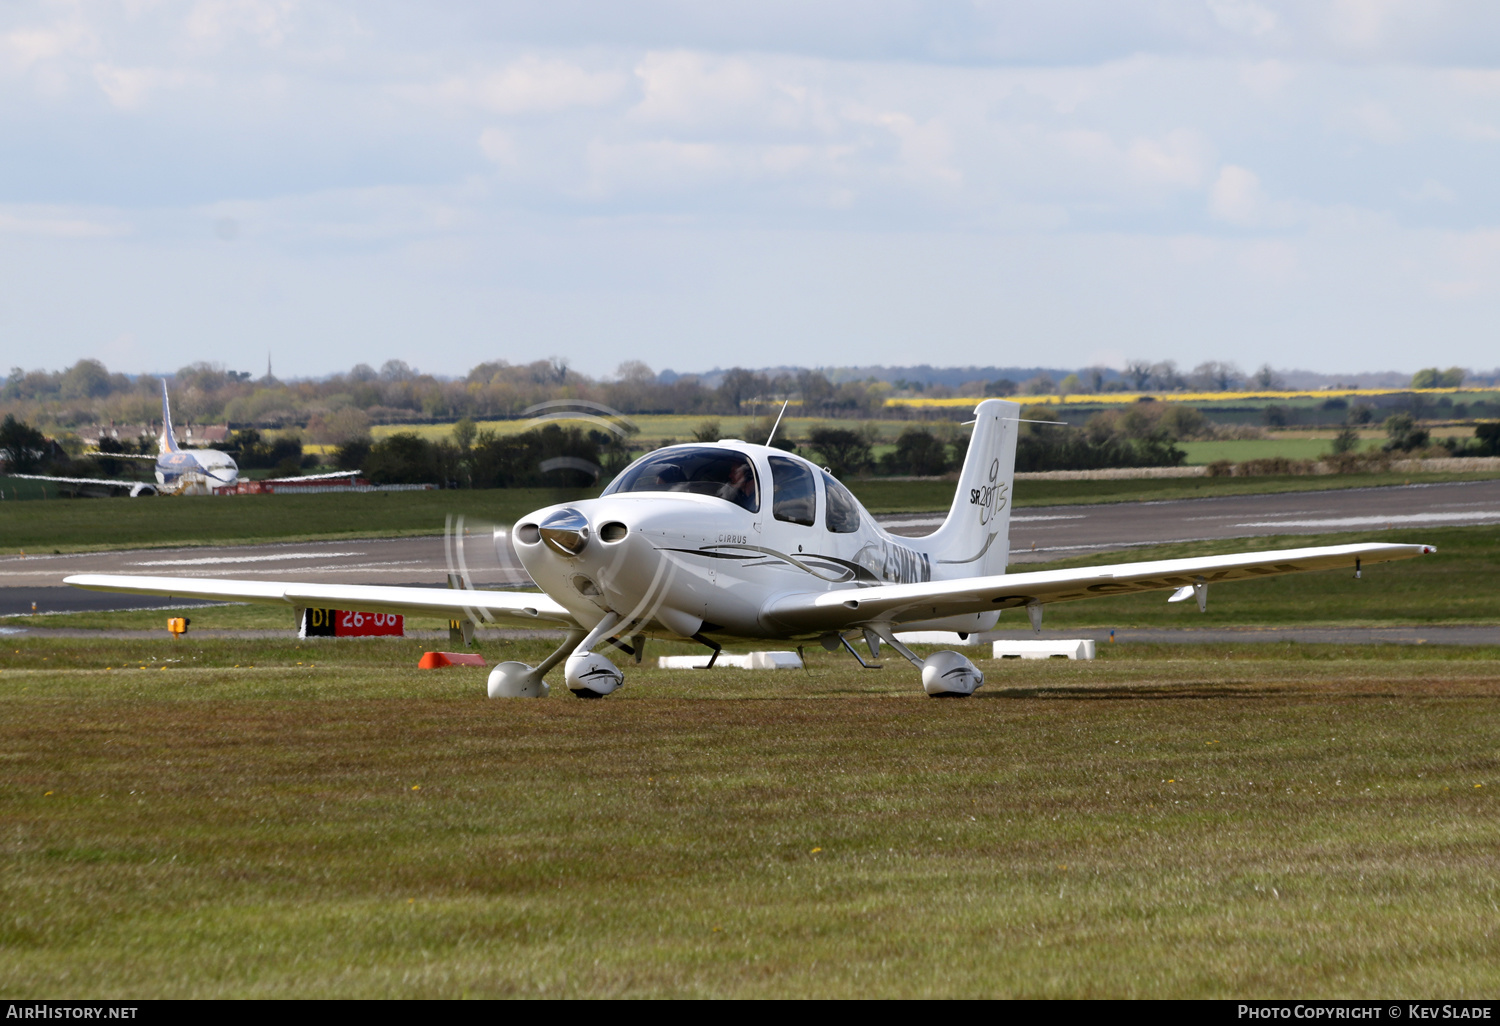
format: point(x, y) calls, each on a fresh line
point(178, 471)
point(733, 541)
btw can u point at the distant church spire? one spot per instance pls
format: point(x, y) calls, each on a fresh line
point(268, 363)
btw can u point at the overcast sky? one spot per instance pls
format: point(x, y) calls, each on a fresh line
point(695, 184)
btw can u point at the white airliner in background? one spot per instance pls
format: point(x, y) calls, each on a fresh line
point(732, 541)
point(178, 471)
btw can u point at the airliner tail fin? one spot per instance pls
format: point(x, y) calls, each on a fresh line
point(168, 441)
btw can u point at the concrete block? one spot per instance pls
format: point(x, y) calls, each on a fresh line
point(1069, 648)
point(948, 638)
point(752, 661)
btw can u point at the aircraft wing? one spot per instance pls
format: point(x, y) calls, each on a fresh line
point(897, 603)
point(313, 477)
point(511, 608)
point(111, 482)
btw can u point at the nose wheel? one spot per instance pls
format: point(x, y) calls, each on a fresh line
point(591, 675)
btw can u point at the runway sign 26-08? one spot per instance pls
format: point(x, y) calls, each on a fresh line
point(349, 623)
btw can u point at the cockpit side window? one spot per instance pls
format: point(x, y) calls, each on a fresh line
point(796, 494)
point(843, 508)
point(722, 473)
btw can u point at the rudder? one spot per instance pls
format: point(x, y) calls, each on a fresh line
point(974, 540)
point(168, 441)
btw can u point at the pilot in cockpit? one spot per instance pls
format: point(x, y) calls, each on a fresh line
point(740, 489)
point(670, 478)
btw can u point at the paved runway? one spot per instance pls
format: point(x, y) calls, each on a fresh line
point(1046, 533)
point(1037, 534)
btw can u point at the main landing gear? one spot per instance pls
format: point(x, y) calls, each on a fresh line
point(944, 674)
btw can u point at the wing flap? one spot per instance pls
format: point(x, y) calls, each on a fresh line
point(510, 607)
point(897, 603)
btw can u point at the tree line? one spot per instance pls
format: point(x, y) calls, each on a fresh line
point(342, 406)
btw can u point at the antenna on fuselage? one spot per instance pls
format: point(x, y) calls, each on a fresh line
point(778, 421)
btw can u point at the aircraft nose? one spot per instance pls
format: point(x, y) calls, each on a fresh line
point(565, 532)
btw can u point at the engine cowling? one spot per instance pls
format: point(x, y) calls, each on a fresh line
point(948, 674)
point(591, 675)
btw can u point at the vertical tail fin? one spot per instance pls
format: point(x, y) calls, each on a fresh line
point(974, 540)
point(168, 441)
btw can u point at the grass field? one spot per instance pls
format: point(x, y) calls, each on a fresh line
point(1239, 450)
point(83, 524)
point(276, 820)
point(94, 524)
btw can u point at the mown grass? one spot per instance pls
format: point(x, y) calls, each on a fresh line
point(96, 524)
point(1157, 823)
point(1240, 449)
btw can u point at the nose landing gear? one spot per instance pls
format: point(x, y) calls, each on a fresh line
point(518, 680)
point(588, 674)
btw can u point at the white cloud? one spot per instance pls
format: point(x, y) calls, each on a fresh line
point(530, 86)
point(213, 23)
point(1243, 16)
point(1433, 191)
point(498, 146)
point(1178, 158)
point(1115, 136)
point(1137, 168)
point(1271, 260)
point(1237, 197)
point(926, 148)
point(689, 87)
point(1361, 24)
point(1375, 122)
point(57, 223)
point(130, 88)
point(23, 48)
point(1267, 78)
point(656, 166)
point(1467, 265)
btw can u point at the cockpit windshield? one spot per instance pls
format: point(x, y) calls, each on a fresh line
point(722, 473)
